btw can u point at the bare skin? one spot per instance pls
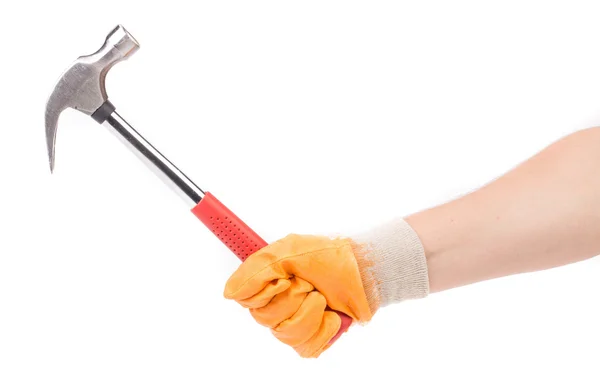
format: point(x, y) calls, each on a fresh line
point(542, 214)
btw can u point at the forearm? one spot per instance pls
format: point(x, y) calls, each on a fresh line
point(542, 214)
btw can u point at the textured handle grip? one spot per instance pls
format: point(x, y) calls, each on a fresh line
point(238, 237)
point(226, 226)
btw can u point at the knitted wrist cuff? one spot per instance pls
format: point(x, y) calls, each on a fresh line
point(392, 264)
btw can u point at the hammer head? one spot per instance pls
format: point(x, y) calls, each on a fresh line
point(82, 85)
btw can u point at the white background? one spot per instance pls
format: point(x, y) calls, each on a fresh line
point(307, 117)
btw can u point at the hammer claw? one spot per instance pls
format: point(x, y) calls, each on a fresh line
point(52, 114)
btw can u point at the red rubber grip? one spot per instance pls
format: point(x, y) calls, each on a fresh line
point(226, 226)
point(238, 237)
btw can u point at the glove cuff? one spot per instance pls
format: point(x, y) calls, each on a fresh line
point(392, 264)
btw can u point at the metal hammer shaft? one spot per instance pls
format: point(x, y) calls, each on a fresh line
point(154, 160)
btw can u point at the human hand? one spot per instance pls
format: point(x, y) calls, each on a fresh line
point(294, 285)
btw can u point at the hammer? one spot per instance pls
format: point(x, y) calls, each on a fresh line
point(82, 87)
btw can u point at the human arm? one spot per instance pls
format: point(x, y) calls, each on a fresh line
point(542, 214)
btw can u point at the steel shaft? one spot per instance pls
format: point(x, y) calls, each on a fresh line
point(154, 160)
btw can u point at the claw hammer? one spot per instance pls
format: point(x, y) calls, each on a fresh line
point(82, 87)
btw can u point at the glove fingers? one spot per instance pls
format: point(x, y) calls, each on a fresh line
point(304, 323)
point(263, 297)
point(321, 340)
point(253, 275)
point(283, 305)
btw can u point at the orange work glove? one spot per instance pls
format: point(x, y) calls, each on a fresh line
point(288, 284)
